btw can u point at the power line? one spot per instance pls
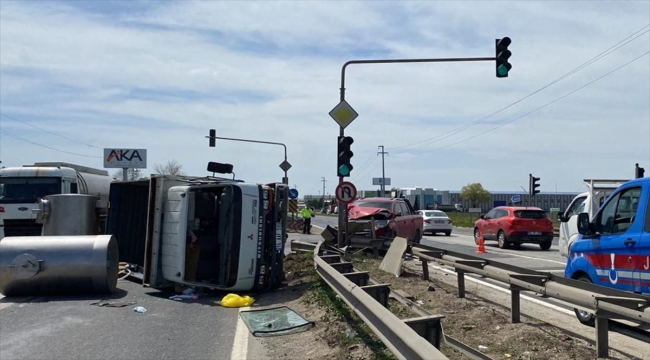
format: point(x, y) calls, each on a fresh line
point(613, 48)
point(47, 147)
point(365, 165)
point(539, 108)
point(48, 131)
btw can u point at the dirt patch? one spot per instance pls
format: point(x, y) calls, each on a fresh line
point(475, 321)
point(337, 333)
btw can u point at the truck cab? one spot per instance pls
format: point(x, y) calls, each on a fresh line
point(587, 202)
point(613, 248)
point(206, 232)
point(21, 188)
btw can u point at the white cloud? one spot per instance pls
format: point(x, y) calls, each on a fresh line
point(160, 76)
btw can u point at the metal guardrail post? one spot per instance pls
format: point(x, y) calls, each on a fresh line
point(429, 327)
point(398, 337)
point(358, 278)
point(379, 292)
point(460, 274)
point(515, 304)
point(602, 337)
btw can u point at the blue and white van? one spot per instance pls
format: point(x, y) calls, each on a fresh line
point(613, 248)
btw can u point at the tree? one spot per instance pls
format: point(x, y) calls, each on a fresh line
point(131, 174)
point(475, 194)
point(171, 168)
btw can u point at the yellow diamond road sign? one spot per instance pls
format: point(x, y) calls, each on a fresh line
point(343, 114)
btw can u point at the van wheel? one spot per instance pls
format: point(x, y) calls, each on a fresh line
point(448, 233)
point(501, 238)
point(585, 317)
point(417, 237)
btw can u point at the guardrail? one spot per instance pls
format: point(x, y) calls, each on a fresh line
point(606, 303)
point(404, 338)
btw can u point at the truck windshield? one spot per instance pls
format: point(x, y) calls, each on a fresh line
point(17, 190)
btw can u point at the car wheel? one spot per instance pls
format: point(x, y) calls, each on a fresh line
point(545, 245)
point(585, 317)
point(417, 237)
point(448, 233)
point(501, 238)
point(476, 232)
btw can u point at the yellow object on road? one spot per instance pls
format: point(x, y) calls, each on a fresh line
point(234, 300)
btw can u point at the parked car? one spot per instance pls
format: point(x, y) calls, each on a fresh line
point(436, 221)
point(510, 225)
point(393, 217)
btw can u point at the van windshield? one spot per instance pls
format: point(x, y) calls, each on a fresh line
point(17, 190)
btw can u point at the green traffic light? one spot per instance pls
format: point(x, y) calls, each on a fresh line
point(502, 70)
point(344, 170)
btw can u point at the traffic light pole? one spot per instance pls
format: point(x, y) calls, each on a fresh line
point(343, 208)
point(285, 180)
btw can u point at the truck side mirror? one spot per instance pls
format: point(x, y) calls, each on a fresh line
point(584, 226)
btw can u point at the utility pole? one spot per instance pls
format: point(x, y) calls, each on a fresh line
point(324, 181)
point(383, 173)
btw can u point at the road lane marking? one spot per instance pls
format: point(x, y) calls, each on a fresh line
point(499, 251)
point(240, 343)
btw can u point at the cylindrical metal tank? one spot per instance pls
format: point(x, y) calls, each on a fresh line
point(54, 265)
point(69, 214)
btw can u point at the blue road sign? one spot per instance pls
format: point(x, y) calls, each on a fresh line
point(515, 198)
point(293, 193)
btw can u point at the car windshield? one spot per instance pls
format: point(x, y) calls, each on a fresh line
point(374, 204)
point(530, 214)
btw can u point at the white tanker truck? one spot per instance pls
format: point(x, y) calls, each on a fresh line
point(21, 188)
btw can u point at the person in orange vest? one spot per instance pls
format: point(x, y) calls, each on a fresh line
point(306, 214)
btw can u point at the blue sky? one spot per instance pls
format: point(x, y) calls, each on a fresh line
point(80, 76)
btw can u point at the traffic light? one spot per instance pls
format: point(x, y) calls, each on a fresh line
point(502, 55)
point(344, 155)
point(639, 172)
point(213, 134)
point(532, 185)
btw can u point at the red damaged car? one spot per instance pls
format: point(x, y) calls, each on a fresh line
point(393, 217)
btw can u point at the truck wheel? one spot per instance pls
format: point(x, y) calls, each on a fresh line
point(545, 245)
point(417, 237)
point(585, 317)
point(501, 238)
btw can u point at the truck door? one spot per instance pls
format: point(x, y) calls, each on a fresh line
point(569, 229)
point(616, 254)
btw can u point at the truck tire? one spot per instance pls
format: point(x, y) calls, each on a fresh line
point(585, 317)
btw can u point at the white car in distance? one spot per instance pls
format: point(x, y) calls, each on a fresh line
point(436, 221)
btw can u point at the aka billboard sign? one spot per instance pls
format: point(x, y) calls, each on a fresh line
point(125, 158)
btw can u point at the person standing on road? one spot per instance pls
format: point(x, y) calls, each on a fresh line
point(306, 216)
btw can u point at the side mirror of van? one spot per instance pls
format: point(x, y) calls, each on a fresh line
point(584, 226)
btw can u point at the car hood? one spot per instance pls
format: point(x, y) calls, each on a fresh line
point(362, 212)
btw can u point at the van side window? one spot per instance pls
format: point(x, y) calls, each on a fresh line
point(619, 213)
point(73, 188)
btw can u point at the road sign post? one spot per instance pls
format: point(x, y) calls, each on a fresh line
point(345, 193)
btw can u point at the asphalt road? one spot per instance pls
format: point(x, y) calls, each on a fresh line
point(72, 328)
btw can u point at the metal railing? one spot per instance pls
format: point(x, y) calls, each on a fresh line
point(369, 303)
point(606, 303)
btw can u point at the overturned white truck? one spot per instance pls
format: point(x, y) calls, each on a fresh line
point(206, 232)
